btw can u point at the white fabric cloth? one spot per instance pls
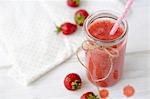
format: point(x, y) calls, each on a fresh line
point(35, 48)
point(4, 57)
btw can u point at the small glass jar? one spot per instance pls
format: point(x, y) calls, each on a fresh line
point(104, 58)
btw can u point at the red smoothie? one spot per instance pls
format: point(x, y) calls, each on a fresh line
point(98, 61)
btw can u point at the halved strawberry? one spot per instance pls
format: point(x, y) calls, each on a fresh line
point(104, 93)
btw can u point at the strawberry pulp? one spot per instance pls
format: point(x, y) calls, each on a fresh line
point(98, 61)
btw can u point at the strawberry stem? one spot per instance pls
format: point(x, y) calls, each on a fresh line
point(58, 29)
point(92, 96)
point(77, 2)
point(79, 19)
point(76, 84)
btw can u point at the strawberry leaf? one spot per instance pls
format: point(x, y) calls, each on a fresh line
point(58, 29)
point(77, 2)
point(79, 19)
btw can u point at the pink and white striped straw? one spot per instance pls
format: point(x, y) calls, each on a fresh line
point(120, 19)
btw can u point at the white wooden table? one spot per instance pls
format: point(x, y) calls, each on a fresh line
point(136, 69)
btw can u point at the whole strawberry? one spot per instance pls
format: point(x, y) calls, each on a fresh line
point(72, 81)
point(89, 95)
point(73, 3)
point(67, 28)
point(80, 16)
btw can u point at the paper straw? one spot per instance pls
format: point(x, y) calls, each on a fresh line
point(119, 20)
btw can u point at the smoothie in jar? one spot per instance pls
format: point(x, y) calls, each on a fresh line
point(107, 58)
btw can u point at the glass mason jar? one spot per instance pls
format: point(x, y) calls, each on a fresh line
point(104, 58)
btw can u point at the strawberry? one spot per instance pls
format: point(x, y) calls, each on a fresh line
point(72, 81)
point(89, 95)
point(80, 16)
point(67, 28)
point(73, 3)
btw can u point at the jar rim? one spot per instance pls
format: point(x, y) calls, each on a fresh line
point(113, 15)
